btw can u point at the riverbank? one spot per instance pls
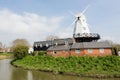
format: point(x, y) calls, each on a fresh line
point(6, 55)
point(100, 67)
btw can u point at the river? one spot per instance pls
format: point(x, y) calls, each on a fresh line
point(9, 72)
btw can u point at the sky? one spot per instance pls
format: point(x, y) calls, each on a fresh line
point(34, 20)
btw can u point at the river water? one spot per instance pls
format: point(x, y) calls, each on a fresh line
point(9, 72)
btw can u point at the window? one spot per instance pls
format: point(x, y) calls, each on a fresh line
point(63, 50)
point(54, 52)
point(89, 50)
point(47, 45)
point(77, 50)
point(56, 43)
point(40, 45)
point(66, 43)
point(36, 45)
point(101, 50)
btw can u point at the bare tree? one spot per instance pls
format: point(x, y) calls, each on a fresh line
point(20, 42)
point(51, 37)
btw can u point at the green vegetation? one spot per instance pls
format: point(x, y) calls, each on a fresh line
point(115, 49)
point(39, 53)
point(6, 55)
point(20, 51)
point(20, 48)
point(107, 66)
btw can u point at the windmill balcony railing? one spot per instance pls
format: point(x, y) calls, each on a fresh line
point(91, 35)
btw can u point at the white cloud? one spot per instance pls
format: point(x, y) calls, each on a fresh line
point(30, 26)
point(110, 38)
point(66, 32)
point(33, 27)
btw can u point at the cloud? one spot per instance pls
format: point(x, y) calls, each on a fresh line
point(110, 38)
point(66, 32)
point(30, 26)
point(33, 27)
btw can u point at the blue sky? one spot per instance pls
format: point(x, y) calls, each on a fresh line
point(34, 20)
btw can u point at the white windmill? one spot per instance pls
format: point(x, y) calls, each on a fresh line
point(81, 25)
point(81, 30)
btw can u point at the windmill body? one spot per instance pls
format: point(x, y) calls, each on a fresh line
point(81, 25)
point(81, 30)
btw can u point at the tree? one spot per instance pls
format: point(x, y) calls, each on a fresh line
point(115, 48)
point(20, 48)
point(51, 37)
point(20, 51)
point(20, 42)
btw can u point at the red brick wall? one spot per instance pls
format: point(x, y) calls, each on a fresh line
point(59, 53)
point(77, 54)
point(95, 52)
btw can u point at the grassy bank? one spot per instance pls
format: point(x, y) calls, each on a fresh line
point(6, 55)
point(108, 66)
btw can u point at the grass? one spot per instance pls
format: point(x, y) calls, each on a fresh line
point(6, 55)
point(108, 66)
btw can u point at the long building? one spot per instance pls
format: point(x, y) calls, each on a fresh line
point(81, 49)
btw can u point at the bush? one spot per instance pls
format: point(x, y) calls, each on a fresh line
point(39, 53)
point(106, 65)
point(115, 49)
point(20, 51)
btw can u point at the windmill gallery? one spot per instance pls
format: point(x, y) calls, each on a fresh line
point(83, 42)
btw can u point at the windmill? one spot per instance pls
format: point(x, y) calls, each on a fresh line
point(81, 30)
point(81, 25)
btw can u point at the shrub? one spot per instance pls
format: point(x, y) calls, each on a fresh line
point(106, 65)
point(20, 51)
point(115, 49)
point(42, 53)
point(39, 53)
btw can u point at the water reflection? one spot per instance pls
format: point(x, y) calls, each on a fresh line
point(8, 72)
point(5, 70)
point(18, 74)
point(30, 76)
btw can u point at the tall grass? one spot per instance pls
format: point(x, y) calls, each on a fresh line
point(107, 65)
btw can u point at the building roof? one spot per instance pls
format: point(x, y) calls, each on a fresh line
point(81, 45)
point(61, 47)
point(54, 42)
point(43, 43)
point(63, 41)
point(91, 45)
